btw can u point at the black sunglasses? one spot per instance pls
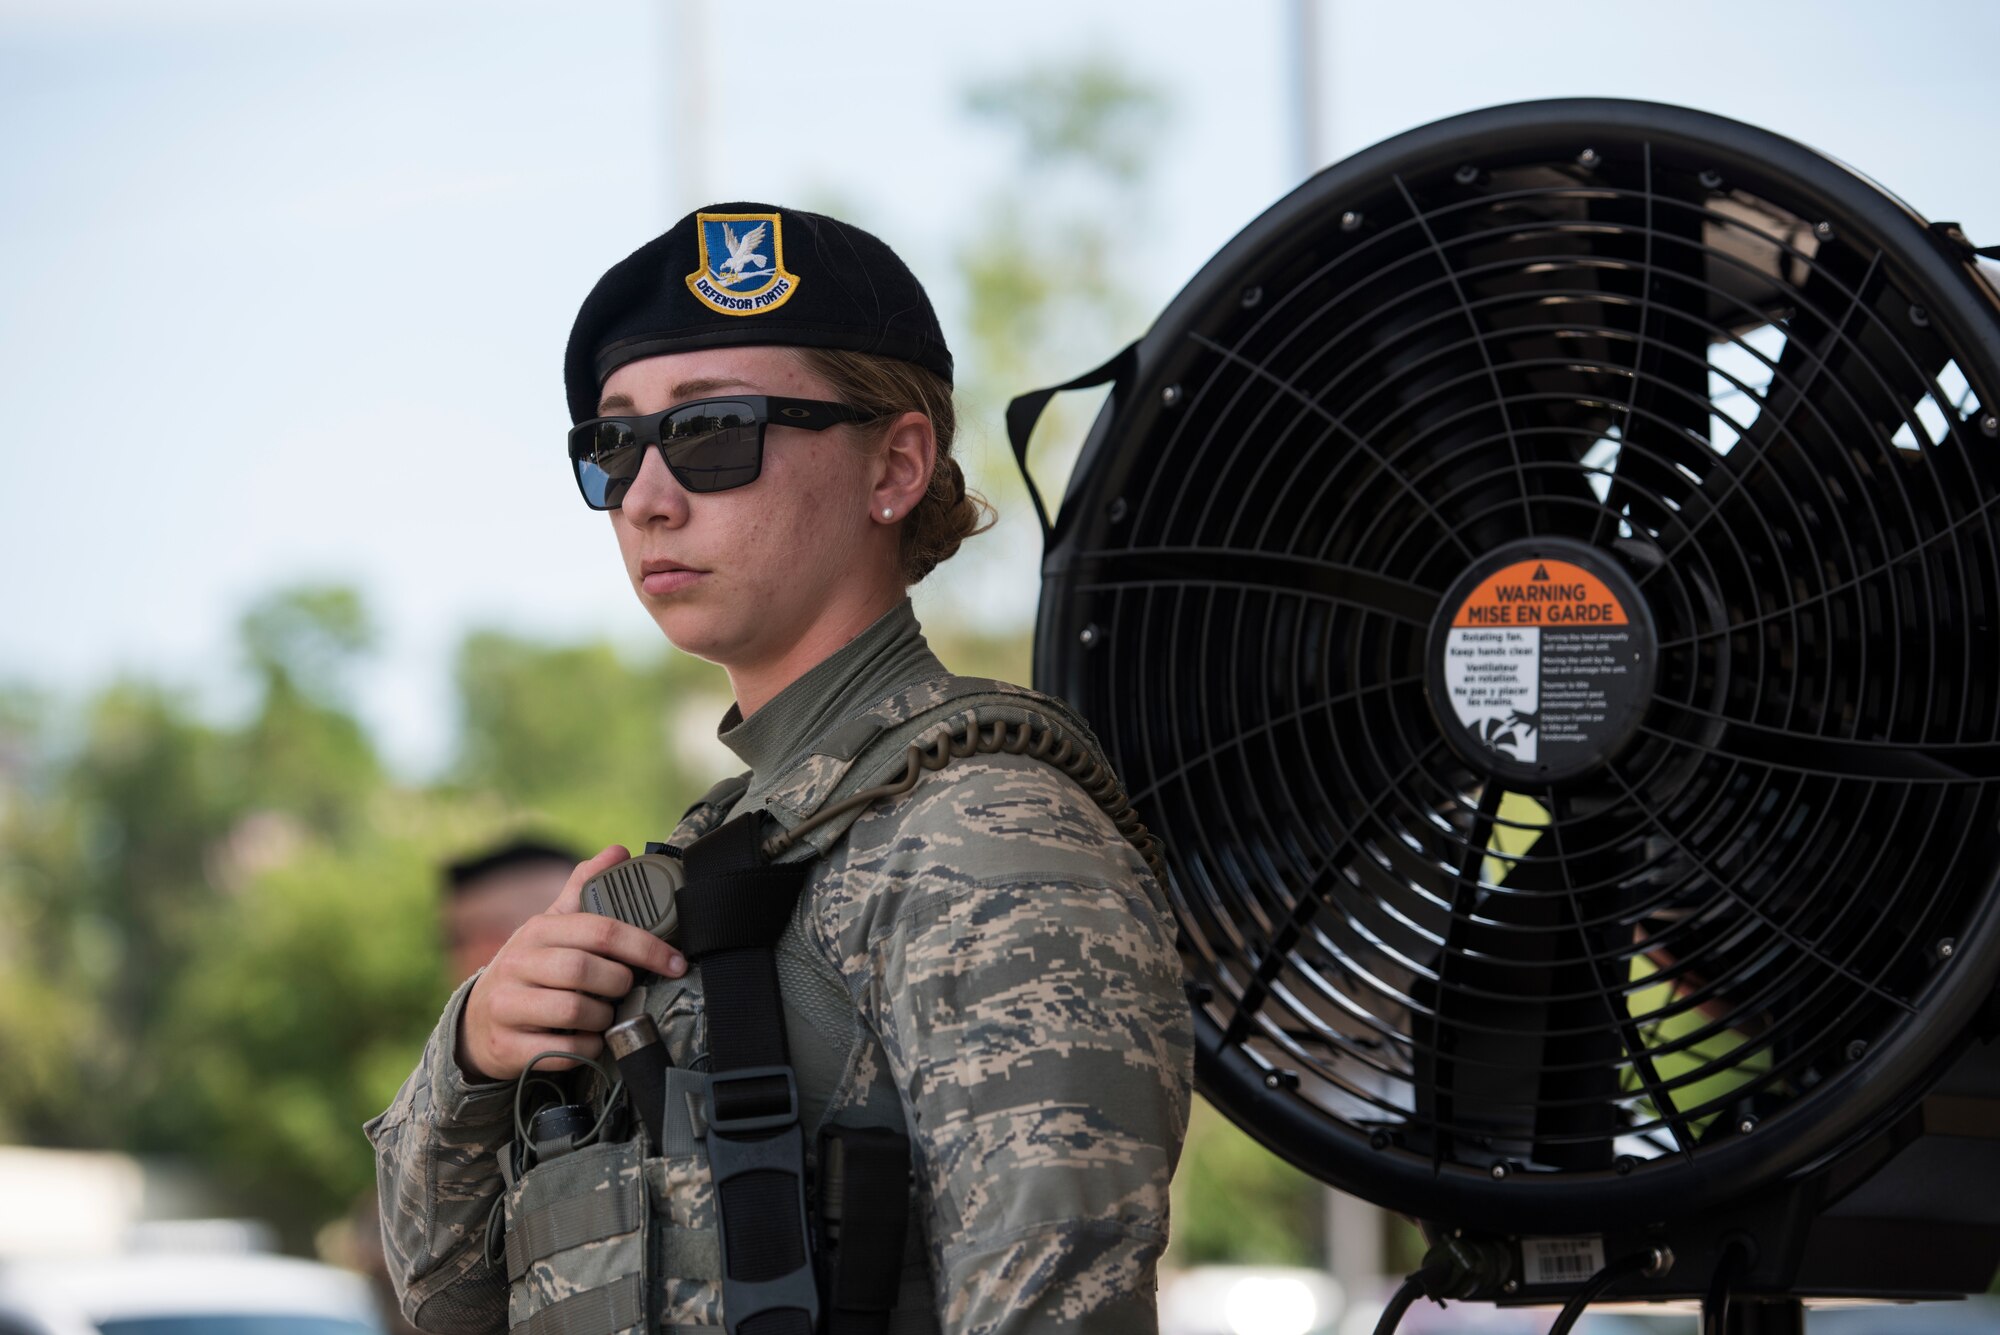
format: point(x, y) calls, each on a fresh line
point(707, 444)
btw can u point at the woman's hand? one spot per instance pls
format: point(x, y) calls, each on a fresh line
point(547, 988)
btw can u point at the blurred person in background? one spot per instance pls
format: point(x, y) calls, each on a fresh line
point(978, 968)
point(489, 895)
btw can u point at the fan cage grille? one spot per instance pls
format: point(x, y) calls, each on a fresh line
point(1753, 408)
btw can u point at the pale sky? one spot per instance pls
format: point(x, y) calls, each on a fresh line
point(284, 286)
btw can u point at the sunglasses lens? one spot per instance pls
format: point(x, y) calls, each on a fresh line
point(606, 457)
point(713, 447)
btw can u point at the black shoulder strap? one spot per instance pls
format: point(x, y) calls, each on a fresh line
point(1026, 410)
point(733, 908)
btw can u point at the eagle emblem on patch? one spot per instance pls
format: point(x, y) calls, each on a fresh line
point(742, 263)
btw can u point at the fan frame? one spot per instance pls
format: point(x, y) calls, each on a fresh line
point(1864, 1097)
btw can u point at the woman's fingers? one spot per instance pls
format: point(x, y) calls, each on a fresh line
point(504, 1026)
point(528, 1009)
point(609, 938)
point(577, 971)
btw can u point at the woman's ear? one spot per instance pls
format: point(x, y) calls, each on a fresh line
point(903, 466)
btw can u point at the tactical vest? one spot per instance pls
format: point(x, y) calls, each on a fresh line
point(608, 1237)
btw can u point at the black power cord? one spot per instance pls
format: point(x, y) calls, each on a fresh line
point(1456, 1267)
point(1653, 1261)
point(1737, 1256)
point(1407, 1294)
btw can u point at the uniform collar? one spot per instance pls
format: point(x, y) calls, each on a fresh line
point(890, 654)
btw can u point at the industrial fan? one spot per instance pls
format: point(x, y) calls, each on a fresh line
point(1542, 582)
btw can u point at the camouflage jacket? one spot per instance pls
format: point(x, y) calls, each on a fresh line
point(983, 963)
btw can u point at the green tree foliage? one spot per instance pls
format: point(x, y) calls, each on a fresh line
point(1236, 1203)
point(134, 837)
point(301, 1007)
point(304, 752)
point(970, 653)
point(1048, 288)
point(45, 953)
point(105, 883)
point(591, 743)
point(306, 638)
point(221, 942)
point(1092, 116)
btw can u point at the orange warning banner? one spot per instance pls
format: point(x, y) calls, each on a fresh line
point(1552, 594)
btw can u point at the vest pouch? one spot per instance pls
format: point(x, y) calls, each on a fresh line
point(686, 1244)
point(576, 1235)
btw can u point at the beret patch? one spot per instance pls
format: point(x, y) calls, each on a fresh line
point(720, 278)
point(742, 269)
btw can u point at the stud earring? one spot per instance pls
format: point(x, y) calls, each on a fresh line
point(888, 513)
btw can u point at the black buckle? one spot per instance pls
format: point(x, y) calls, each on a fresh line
point(731, 1156)
point(737, 1126)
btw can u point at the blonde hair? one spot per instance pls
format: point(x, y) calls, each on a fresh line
point(948, 514)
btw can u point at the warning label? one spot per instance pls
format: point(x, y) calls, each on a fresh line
point(1495, 680)
point(1541, 593)
point(1542, 666)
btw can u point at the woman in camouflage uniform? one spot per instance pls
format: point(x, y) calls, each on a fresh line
point(982, 962)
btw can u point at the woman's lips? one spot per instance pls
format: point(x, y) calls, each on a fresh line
point(661, 582)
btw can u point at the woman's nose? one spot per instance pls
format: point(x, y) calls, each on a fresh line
point(655, 493)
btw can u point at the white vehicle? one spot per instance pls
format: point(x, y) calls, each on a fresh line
point(157, 1293)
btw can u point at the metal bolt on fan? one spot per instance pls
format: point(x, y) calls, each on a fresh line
point(1541, 582)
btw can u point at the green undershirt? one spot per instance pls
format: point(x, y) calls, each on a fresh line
point(882, 659)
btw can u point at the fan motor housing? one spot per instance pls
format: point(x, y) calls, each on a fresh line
point(1671, 910)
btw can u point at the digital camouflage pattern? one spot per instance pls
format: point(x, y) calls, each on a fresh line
point(437, 1172)
point(684, 1210)
point(546, 1274)
point(983, 962)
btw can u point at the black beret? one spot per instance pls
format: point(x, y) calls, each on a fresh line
point(731, 275)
